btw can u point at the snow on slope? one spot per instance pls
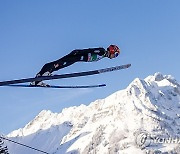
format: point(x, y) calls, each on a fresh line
point(109, 125)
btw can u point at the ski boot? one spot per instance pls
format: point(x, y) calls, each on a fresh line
point(40, 83)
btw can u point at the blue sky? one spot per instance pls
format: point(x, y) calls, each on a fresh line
point(35, 32)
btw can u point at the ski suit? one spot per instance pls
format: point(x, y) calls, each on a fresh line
point(78, 55)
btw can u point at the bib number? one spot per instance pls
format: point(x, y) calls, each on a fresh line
point(93, 57)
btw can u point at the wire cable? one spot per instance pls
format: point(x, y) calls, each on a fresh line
point(24, 145)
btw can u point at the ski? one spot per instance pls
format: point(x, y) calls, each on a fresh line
point(57, 87)
point(62, 76)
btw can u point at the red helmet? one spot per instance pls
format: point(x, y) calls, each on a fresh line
point(113, 49)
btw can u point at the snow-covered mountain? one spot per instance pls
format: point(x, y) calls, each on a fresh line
point(115, 124)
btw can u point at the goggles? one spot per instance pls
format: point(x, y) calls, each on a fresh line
point(116, 54)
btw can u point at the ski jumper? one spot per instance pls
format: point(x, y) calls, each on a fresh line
point(78, 55)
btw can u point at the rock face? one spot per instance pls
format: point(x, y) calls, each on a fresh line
point(140, 118)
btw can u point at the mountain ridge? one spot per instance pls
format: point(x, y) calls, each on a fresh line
point(109, 125)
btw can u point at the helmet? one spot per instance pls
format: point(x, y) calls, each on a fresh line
point(113, 49)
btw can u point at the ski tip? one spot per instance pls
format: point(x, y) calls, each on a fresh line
point(128, 65)
point(102, 85)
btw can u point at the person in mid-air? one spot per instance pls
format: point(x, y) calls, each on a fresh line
point(78, 55)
